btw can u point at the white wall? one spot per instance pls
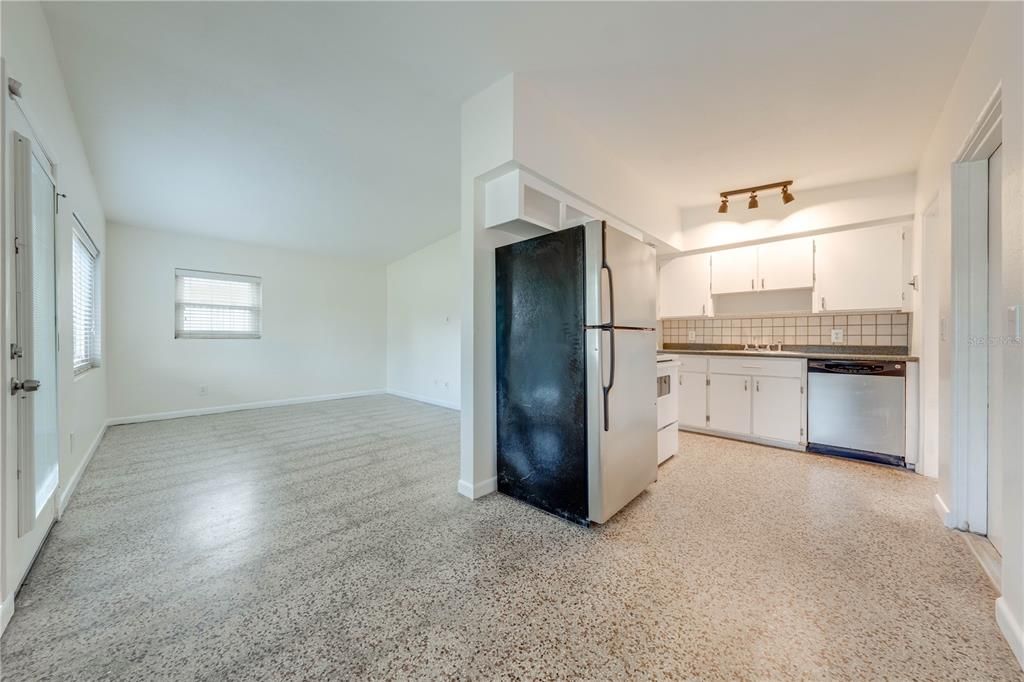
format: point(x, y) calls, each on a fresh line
point(550, 143)
point(994, 60)
point(29, 57)
point(814, 210)
point(423, 324)
point(487, 144)
point(324, 329)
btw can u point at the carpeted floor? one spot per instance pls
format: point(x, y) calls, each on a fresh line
point(327, 541)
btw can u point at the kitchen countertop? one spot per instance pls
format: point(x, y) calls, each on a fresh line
point(811, 353)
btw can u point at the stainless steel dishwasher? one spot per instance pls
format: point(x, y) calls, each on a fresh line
point(857, 409)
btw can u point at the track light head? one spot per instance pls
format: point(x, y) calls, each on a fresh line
point(752, 203)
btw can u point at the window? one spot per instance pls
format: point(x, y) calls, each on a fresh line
point(213, 305)
point(85, 296)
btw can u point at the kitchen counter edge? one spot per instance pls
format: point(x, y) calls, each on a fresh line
point(809, 355)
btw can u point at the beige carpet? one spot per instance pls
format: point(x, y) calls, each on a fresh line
point(327, 541)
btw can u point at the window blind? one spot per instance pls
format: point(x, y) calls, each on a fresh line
point(85, 319)
point(214, 305)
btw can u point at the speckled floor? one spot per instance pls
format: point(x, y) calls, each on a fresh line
point(326, 541)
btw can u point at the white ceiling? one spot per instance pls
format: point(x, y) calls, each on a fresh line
point(335, 127)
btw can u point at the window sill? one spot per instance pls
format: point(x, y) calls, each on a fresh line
point(81, 374)
point(216, 338)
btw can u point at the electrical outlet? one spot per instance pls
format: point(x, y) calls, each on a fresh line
point(691, 335)
point(1013, 322)
point(204, 389)
point(837, 336)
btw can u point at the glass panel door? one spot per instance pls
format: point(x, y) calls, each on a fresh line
point(41, 358)
point(34, 385)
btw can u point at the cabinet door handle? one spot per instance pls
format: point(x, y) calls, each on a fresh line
point(703, 308)
point(751, 283)
point(757, 386)
point(762, 282)
point(680, 378)
point(822, 302)
point(744, 384)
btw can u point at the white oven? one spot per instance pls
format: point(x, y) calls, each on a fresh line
point(668, 407)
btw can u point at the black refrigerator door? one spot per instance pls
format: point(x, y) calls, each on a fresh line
point(541, 373)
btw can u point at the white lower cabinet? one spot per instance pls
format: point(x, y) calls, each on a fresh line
point(729, 403)
point(755, 398)
point(777, 404)
point(693, 399)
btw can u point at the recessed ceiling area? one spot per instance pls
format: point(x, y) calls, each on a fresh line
point(335, 127)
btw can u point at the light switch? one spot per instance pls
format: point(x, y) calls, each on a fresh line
point(691, 335)
point(837, 336)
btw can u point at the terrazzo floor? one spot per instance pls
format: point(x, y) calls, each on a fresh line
point(326, 541)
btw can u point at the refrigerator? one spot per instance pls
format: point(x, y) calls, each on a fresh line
point(576, 400)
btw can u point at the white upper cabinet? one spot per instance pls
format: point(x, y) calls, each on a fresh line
point(684, 285)
point(787, 264)
point(859, 269)
point(734, 270)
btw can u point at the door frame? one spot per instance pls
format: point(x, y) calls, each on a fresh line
point(13, 106)
point(969, 313)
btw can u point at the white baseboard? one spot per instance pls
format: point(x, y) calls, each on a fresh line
point(67, 491)
point(424, 399)
point(218, 409)
point(943, 511)
point(6, 612)
point(1011, 629)
point(475, 492)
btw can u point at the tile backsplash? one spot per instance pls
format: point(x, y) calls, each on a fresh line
point(878, 329)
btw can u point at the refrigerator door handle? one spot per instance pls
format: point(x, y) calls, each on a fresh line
point(607, 268)
point(607, 388)
point(610, 326)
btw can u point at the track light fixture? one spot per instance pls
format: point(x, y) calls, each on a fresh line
point(787, 196)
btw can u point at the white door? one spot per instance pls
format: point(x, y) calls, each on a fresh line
point(997, 328)
point(734, 270)
point(859, 269)
point(31, 459)
point(729, 403)
point(693, 400)
point(787, 264)
point(777, 406)
point(684, 286)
